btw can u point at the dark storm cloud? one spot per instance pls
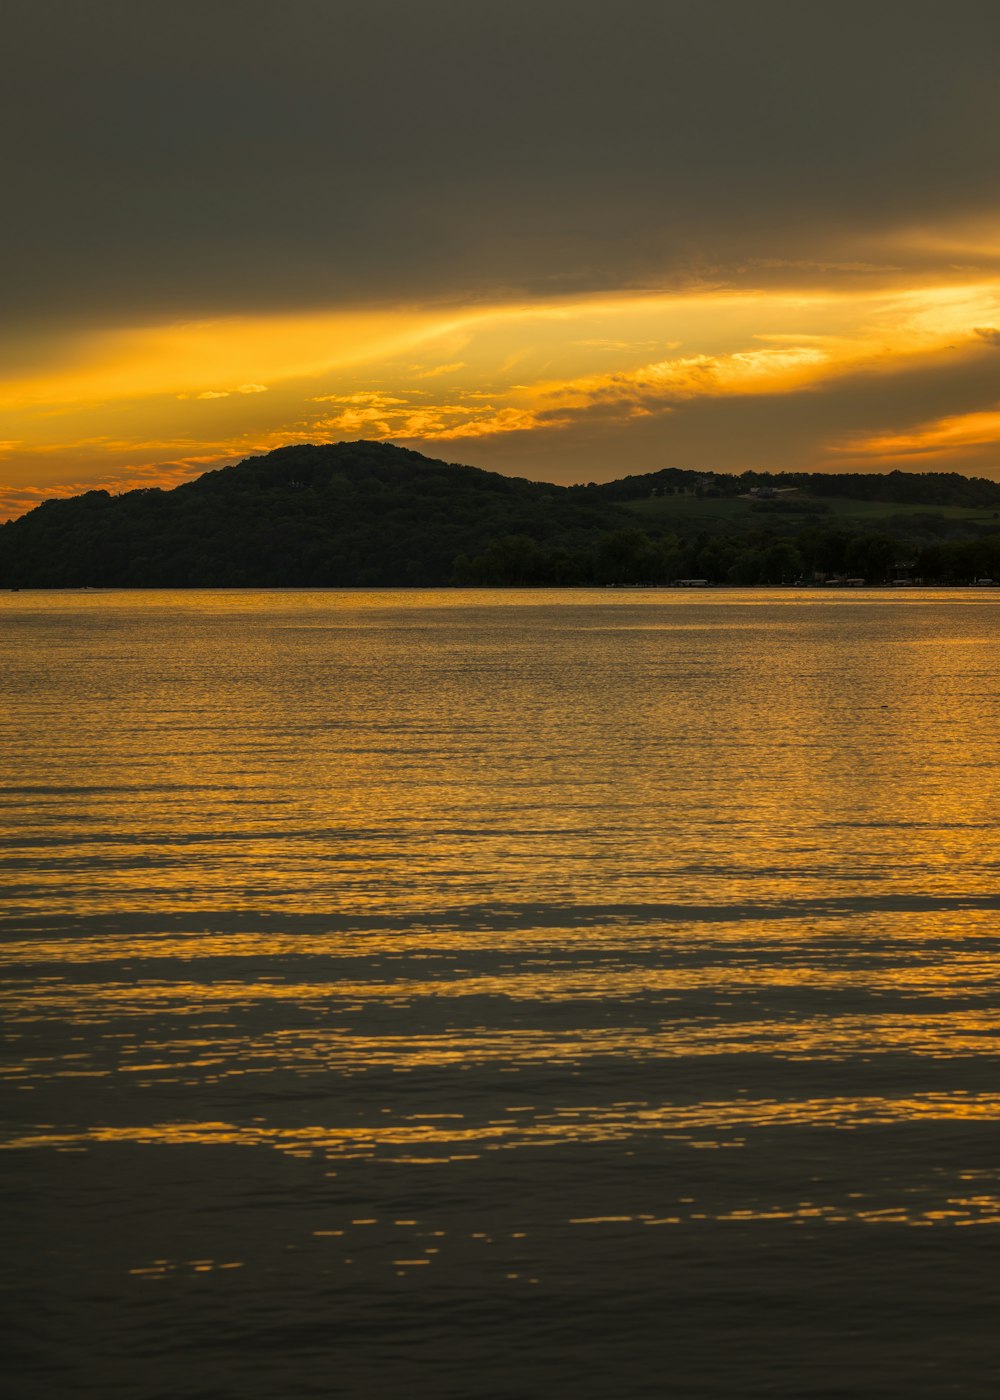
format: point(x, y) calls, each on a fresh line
point(189, 158)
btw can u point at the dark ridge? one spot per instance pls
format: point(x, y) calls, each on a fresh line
point(369, 514)
point(896, 487)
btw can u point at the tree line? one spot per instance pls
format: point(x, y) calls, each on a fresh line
point(370, 514)
point(630, 557)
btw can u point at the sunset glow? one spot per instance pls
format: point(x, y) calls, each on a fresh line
point(490, 384)
point(500, 597)
point(701, 237)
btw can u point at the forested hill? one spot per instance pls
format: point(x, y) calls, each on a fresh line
point(371, 514)
point(343, 514)
point(891, 488)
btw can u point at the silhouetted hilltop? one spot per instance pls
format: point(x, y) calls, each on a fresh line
point(370, 514)
point(341, 514)
point(892, 488)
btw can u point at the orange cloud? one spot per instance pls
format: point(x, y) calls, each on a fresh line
point(193, 357)
point(940, 437)
point(117, 404)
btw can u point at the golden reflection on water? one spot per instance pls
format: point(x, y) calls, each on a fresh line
point(310, 872)
point(620, 748)
point(588, 1123)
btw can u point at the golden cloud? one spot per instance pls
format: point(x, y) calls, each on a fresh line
point(957, 433)
point(525, 368)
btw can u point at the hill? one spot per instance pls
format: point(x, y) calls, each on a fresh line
point(368, 514)
point(343, 514)
point(889, 488)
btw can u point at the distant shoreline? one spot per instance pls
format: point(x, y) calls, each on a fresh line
point(370, 515)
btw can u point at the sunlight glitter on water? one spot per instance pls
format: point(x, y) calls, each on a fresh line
point(463, 942)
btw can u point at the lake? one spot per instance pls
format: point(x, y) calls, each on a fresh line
point(501, 994)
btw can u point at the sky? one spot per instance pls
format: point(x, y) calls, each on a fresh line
point(564, 239)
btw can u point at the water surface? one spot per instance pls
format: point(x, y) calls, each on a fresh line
point(501, 994)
